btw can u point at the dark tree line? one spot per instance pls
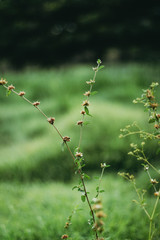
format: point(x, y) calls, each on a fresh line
point(53, 31)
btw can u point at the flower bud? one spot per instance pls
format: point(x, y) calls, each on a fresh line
point(80, 123)
point(85, 103)
point(51, 120)
point(21, 94)
point(3, 81)
point(87, 93)
point(66, 139)
point(65, 236)
point(36, 103)
point(83, 112)
point(79, 154)
point(11, 87)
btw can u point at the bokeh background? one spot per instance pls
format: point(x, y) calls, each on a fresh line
point(48, 49)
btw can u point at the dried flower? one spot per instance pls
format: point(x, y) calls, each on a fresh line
point(3, 81)
point(100, 214)
point(36, 103)
point(66, 139)
point(158, 115)
point(79, 154)
point(156, 126)
point(51, 120)
point(80, 123)
point(149, 94)
point(91, 81)
point(156, 194)
point(11, 87)
point(85, 103)
point(87, 93)
point(67, 225)
point(154, 105)
point(154, 181)
point(83, 112)
point(65, 236)
point(21, 94)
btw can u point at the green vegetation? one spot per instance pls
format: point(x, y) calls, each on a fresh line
point(39, 210)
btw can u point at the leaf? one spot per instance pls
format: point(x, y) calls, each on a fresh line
point(87, 111)
point(74, 187)
point(94, 93)
point(86, 123)
point(86, 176)
point(151, 120)
point(8, 92)
point(97, 189)
point(83, 198)
point(101, 191)
point(102, 66)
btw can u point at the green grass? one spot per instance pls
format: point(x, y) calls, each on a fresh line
point(39, 211)
point(30, 149)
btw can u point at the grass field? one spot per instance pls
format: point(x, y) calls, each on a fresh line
point(32, 205)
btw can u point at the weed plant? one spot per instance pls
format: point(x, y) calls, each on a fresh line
point(95, 206)
point(150, 102)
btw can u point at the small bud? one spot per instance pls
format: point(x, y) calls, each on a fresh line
point(3, 81)
point(11, 87)
point(83, 112)
point(51, 120)
point(36, 104)
point(21, 94)
point(91, 81)
point(85, 103)
point(156, 194)
point(66, 139)
point(65, 236)
point(79, 154)
point(80, 123)
point(149, 94)
point(97, 207)
point(103, 165)
point(146, 167)
point(95, 69)
point(87, 93)
point(67, 225)
point(158, 115)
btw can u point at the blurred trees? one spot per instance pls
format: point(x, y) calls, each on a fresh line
point(51, 31)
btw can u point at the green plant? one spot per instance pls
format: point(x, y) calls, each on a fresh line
point(148, 99)
point(95, 206)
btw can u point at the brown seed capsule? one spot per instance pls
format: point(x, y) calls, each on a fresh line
point(66, 139)
point(51, 120)
point(65, 236)
point(36, 104)
point(154, 105)
point(21, 94)
point(83, 112)
point(156, 194)
point(80, 123)
point(87, 93)
point(3, 81)
point(79, 154)
point(85, 103)
point(11, 87)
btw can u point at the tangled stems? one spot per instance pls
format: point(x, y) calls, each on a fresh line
point(65, 139)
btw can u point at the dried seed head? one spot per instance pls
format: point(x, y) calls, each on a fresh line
point(83, 112)
point(36, 103)
point(66, 139)
point(87, 93)
point(65, 236)
point(79, 154)
point(156, 194)
point(11, 87)
point(51, 120)
point(3, 81)
point(154, 181)
point(21, 94)
point(157, 126)
point(85, 103)
point(80, 123)
point(154, 105)
point(100, 214)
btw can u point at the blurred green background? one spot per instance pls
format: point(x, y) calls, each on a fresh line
point(48, 49)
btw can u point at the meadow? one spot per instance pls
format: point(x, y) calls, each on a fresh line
point(36, 176)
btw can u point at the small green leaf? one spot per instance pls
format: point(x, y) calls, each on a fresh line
point(8, 92)
point(83, 198)
point(86, 176)
point(100, 67)
point(96, 177)
point(94, 93)
point(87, 111)
point(97, 189)
point(74, 187)
point(86, 123)
point(151, 120)
point(101, 191)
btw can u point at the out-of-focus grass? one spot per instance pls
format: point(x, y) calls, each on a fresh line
point(39, 211)
point(31, 149)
